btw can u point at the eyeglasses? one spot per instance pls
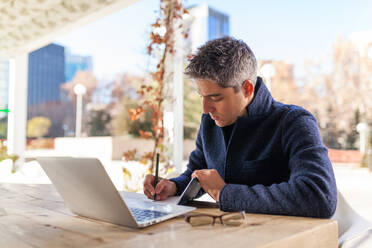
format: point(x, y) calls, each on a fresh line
point(227, 219)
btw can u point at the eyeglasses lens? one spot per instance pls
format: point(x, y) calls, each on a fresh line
point(235, 219)
point(200, 220)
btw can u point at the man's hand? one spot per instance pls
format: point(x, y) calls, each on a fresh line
point(163, 189)
point(211, 182)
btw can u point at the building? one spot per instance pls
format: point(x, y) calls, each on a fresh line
point(46, 74)
point(74, 63)
point(205, 23)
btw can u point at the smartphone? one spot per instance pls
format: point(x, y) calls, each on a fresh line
point(191, 191)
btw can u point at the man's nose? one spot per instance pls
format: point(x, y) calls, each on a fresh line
point(207, 106)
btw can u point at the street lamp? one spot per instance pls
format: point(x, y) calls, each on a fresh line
point(79, 90)
point(363, 131)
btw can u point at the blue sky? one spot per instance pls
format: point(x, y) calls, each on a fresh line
point(293, 31)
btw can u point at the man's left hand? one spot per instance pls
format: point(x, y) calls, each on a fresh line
point(211, 182)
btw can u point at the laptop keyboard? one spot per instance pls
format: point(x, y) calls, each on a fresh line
point(142, 215)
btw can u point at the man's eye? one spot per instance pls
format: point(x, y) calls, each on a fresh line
point(216, 98)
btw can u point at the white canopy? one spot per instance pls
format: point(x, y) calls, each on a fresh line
point(26, 25)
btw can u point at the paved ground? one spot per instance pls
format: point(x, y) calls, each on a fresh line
point(356, 186)
point(354, 183)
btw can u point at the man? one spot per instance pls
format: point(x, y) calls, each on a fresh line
point(252, 153)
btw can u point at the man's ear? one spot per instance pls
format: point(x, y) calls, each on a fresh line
point(247, 88)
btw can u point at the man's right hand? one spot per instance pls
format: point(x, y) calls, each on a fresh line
point(163, 189)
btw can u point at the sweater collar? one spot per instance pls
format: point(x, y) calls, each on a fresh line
point(262, 101)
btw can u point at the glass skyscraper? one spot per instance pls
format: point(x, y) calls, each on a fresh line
point(74, 63)
point(46, 73)
point(218, 24)
point(205, 23)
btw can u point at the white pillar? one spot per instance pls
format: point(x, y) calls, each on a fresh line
point(178, 104)
point(173, 104)
point(17, 117)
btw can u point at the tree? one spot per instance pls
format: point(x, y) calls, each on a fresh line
point(38, 127)
point(98, 123)
point(122, 123)
point(124, 86)
point(283, 85)
point(153, 94)
point(352, 137)
point(124, 97)
point(3, 127)
point(4, 155)
point(192, 110)
point(85, 78)
point(340, 97)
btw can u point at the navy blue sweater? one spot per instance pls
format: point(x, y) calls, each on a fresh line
point(275, 162)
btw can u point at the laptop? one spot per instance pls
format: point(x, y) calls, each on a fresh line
point(89, 192)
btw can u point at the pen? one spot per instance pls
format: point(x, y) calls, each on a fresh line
point(156, 173)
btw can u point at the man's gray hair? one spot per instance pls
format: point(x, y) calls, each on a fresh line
point(226, 61)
